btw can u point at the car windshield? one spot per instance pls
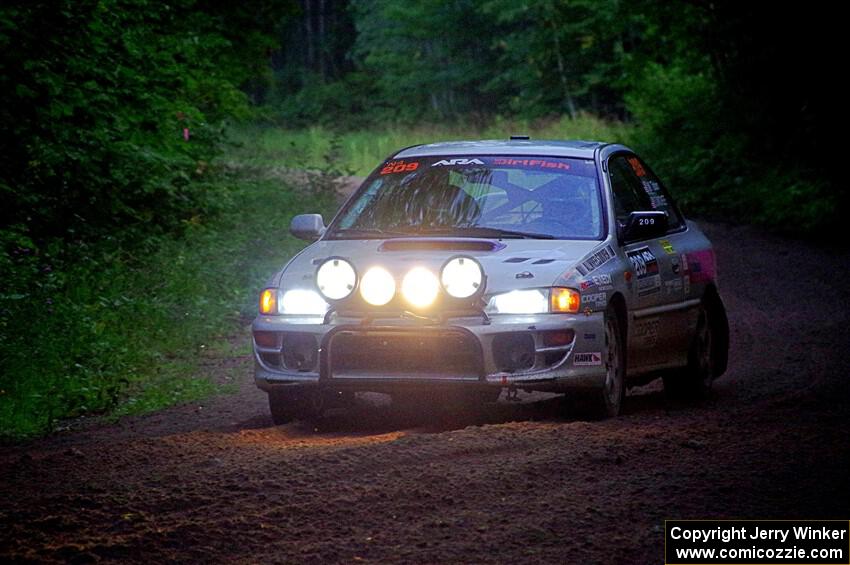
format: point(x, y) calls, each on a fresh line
point(486, 196)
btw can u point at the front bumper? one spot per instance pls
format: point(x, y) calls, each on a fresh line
point(385, 354)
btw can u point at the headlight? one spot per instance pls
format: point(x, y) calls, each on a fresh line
point(420, 287)
point(462, 277)
point(303, 302)
point(535, 301)
point(336, 278)
point(377, 287)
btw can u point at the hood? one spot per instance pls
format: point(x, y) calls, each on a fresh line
point(508, 264)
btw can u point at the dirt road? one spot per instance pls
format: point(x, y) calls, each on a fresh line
point(516, 484)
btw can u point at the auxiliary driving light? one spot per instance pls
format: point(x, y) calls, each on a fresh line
point(336, 278)
point(420, 287)
point(462, 277)
point(377, 287)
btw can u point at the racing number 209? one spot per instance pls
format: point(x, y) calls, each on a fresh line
point(399, 167)
point(646, 221)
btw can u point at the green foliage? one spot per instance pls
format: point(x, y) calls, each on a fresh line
point(126, 333)
point(96, 177)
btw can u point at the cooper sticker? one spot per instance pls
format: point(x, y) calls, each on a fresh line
point(596, 260)
point(588, 359)
point(596, 299)
point(446, 162)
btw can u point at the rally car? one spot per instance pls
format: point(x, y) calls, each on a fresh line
point(474, 267)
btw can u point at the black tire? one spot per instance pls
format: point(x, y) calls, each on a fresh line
point(606, 402)
point(694, 382)
point(286, 406)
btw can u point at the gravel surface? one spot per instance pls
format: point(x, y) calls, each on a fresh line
point(515, 483)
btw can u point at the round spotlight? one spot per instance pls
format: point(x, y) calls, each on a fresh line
point(462, 277)
point(336, 278)
point(377, 287)
point(420, 287)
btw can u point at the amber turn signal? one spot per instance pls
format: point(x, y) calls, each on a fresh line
point(564, 300)
point(268, 301)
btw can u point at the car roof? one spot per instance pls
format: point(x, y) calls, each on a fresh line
point(550, 148)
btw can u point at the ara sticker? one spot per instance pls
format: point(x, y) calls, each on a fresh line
point(588, 359)
point(459, 161)
point(399, 167)
point(667, 247)
point(596, 260)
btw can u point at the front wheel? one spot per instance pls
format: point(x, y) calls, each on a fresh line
point(288, 405)
point(607, 401)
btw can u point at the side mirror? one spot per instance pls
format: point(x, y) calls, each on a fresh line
point(644, 225)
point(308, 227)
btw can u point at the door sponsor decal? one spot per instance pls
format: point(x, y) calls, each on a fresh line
point(588, 359)
point(646, 332)
point(701, 265)
point(645, 267)
point(596, 260)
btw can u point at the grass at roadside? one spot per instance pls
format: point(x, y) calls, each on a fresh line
point(358, 152)
point(125, 333)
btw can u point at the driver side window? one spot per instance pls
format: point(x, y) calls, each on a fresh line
point(627, 196)
point(636, 188)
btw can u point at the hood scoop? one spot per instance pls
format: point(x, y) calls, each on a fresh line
point(440, 244)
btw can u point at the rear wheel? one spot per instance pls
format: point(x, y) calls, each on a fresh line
point(695, 381)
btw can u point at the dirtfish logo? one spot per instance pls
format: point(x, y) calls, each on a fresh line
point(457, 162)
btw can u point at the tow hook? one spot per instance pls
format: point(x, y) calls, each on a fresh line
point(513, 394)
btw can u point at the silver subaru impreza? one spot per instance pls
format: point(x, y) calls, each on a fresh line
point(467, 268)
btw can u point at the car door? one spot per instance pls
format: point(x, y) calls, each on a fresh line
point(657, 326)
